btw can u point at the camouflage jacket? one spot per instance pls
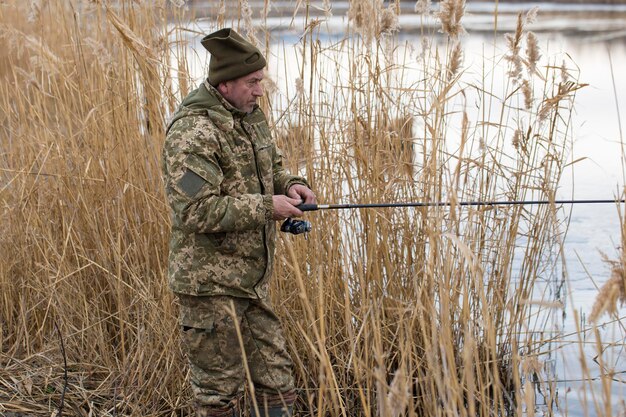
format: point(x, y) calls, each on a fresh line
point(220, 169)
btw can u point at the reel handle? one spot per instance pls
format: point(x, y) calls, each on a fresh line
point(307, 207)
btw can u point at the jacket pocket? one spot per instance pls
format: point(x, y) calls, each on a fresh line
point(223, 242)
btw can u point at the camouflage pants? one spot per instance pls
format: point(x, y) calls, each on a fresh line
point(213, 348)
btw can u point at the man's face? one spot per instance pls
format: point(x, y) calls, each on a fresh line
point(243, 92)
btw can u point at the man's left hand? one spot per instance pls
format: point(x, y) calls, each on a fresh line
point(302, 192)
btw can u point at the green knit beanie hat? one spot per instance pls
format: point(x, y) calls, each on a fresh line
point(232, 56)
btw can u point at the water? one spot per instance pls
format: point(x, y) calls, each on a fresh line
point(594, 36)
point(594, 230)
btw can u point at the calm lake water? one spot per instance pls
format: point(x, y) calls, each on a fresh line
point(595, 39)
point(594, 230)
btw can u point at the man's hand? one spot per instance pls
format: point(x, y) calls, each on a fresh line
point(286, 207)
point(299, 191)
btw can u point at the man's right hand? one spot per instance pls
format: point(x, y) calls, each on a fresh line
point(285, 207)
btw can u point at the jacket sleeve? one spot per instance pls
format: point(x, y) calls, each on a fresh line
point(193, 178)
point(283, 180)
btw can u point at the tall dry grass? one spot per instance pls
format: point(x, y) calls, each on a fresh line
point(425, 311)
point(428, 311)
point(84, 220)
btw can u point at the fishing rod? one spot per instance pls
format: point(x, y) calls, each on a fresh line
point(297, 227)
point(315, 207)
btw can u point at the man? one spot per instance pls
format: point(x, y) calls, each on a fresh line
point(226, 187)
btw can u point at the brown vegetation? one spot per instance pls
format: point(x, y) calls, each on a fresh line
point(387, 312)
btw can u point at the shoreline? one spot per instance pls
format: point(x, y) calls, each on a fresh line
point(605, 19)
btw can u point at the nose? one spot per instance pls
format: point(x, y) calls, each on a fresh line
point(257, 91)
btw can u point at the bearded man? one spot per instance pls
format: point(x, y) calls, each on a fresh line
point(226, 187)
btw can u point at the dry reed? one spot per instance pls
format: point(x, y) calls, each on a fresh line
point(450, 14)
point(387, 312)
point(422, 7)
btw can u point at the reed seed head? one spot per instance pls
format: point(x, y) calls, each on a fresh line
point(528, 94)
point(531, 15)
point(388, 21)
point(532, 52)
point(514, 46)
point(423, 7)
point(246, 13)
point(456, 60)
point(398, 395)
point(372, 19)
point(299, 86)
point(450, 14)
point(519, 140)
point(612, 292)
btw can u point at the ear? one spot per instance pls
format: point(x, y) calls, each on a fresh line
point(223, 88)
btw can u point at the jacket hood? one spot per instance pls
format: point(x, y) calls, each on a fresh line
point(205, 100)
point(200, 98)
